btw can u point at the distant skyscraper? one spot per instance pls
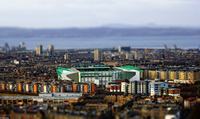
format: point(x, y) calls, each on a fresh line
point(22, 46)
point(6, 47)
point(39, 50)
point(66, 56)
point(97, 55)
point(50, 49)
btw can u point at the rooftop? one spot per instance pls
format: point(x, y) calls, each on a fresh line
point(129, 68)
point(98, 68)
point(60, 69)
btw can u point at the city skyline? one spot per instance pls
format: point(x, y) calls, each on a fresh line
point(100, 59)
point(92, 13)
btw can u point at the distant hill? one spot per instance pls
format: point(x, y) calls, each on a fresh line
point(96, 32)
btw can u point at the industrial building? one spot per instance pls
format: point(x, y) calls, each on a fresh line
point(46, 98)
point(100, 75)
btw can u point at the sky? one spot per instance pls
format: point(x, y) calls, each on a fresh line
point(91, 13)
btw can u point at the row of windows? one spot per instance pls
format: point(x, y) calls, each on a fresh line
point(108, 75)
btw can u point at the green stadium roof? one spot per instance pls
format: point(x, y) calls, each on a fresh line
point(129, 68)
point(60, 70)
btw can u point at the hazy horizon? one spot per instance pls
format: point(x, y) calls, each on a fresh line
point(121, 26)
point(185, 42)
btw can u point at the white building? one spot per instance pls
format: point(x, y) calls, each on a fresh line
point(97, 55)
point(124, 87)
point(157, 88)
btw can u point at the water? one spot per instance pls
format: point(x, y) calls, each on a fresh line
point(107, 42)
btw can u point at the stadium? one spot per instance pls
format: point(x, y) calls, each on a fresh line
point(100, 75)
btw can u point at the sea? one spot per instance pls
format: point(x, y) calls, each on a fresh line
point(185, 42)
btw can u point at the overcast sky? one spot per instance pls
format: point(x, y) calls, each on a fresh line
point(86, 13)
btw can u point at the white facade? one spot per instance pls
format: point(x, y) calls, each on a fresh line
point(124, 87)
point(27, 87)
point(45, 88)
point(136, 77)
point(155, 88)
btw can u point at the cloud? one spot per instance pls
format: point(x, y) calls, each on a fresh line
point(63, 13)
